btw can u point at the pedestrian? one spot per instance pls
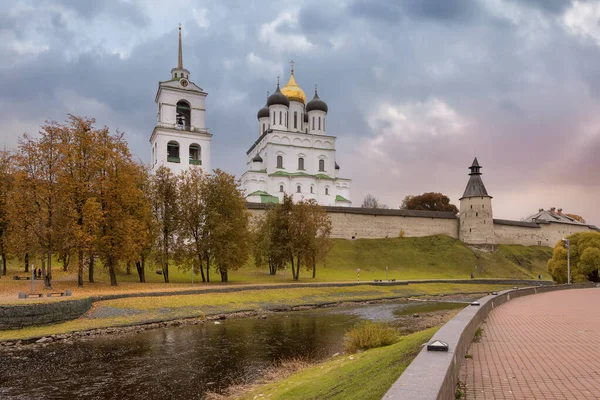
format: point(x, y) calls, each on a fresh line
point(472, 275)
point(39, 273)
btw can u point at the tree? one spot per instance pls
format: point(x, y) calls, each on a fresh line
point(6, 183)
point(226, 219)
point(38, 196)
point(81, 145)
point(118, 201)
point(318, 232)
point(585, 258)
point(429, 202)
point(192, 198)
point(576, 217)
point(165, 208)
point(371, 201)
point(272, 236)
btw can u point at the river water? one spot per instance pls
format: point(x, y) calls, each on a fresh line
point(179, 362)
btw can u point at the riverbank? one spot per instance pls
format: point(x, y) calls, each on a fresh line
point(361, 376)
point(111, 316)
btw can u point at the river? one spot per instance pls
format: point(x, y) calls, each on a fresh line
point(179, 362)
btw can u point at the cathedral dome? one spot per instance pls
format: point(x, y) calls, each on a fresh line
point(263, 112)
point(293, 91)
point(278, 98)
point(316, 104)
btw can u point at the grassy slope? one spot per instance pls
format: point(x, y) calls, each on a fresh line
point(407, 258)
point(364, 376)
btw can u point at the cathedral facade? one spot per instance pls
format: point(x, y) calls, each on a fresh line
point(293, 153)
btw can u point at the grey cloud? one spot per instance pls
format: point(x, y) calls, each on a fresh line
point(118, 9)
point(550, 6)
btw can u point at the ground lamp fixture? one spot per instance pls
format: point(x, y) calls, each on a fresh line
point(437, 345)
point(567, 243)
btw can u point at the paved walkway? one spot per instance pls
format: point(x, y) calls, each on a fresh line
point(544, 346)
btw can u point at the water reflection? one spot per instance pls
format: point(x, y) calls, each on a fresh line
point(178, 362)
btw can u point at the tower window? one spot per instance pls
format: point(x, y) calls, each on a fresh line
point(273, 117)
point(477, 214)
point(286, 118)
point(279, 161)
point(280, 117)
point(483, 206)
point(173, 151)
point(327, 191)
point(301, 163)
point(298, 189)
point(319, 123)
point(321, 165)
point(295, 119)
point(281, 188)
point(195, 154)
point(311, 189)
point(323, 123)
point(471, 206)
point(183, 119)
point(313, 123)
point(469, 230)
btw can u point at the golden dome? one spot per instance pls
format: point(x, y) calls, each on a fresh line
point(292, 91)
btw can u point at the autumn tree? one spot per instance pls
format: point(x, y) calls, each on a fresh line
point(147, 235)
point(118, 201)
point(429, 202)
point(165, 208)
point(6, 184)
point(272, 237)
point(371, 201)
point(193, 238)
point(81, 145)
point(226, 219)
point(585, 258)
point(39, 163)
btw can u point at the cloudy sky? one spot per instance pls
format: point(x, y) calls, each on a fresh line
point(415, 88)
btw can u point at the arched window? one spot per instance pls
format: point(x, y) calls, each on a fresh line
point(280, 117)
point(286, 119)
point(298, 189)
point(319, 123)
point(313, 123)
point(279, 161)
point(263, 129)
point(155, 151)
point(273, 117)
point(183, 115)
point(301, 163)
point(323, 123)
point(311, 189)
point(327, 191)
point(295, 119)
point(321, 165)
point(173, 151)
point(281, 188)
point(195, 154)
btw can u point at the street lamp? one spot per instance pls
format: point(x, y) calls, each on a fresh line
point(567, 242)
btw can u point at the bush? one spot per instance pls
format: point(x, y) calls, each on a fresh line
point(368, 335)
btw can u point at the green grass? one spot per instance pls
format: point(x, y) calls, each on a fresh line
point(406, 258)
point(139, 310)
point(368, 335)
point(363, 376)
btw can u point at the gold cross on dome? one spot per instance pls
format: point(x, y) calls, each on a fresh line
point(292, 64)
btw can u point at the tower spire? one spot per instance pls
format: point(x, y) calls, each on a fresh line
point(180, 58)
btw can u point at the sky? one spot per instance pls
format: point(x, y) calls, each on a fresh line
point(416, 88)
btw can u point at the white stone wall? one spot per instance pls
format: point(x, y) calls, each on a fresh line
point(546, 235)
point(167, 100)
point(476, 221)
point(162, 137)
point(316, 122)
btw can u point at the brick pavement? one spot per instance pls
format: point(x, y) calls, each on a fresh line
point(544, 346)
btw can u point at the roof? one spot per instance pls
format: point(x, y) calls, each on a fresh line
point(316, 104)
point(375, 211)
point(265, 198)
point(523, 224)
point(547, 216)
point(475, 188)
point(342, 199)
point(257, 158)
point(278, 98)
point(294, 174)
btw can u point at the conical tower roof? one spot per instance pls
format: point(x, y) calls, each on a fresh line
point(475, 186)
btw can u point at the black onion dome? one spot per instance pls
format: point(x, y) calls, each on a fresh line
point(316, 104)
point(278, 98)
point(263, 112)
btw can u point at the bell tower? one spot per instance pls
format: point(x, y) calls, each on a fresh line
point(476, 218)
point(180, 138)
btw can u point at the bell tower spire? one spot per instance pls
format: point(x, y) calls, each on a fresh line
point(180, 58)
point(180, 72)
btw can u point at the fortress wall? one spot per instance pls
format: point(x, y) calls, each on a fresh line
point(382, 226)
point(554, 232)
point(506, 234)
point(368, 226)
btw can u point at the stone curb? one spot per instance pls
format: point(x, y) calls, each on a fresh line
point(434, 374)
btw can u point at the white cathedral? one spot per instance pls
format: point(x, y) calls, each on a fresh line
point(293, 153)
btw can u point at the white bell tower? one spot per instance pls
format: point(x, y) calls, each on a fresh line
point(180, 137)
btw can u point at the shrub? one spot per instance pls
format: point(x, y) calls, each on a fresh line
point(368, 335)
